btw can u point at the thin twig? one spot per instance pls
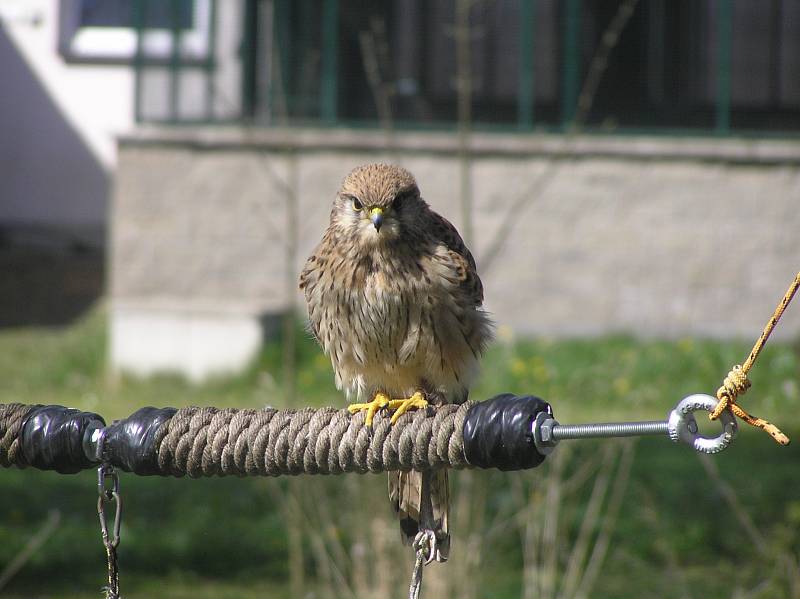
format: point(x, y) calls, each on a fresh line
point(730, 497)
point(381, 92)
point(591, 516)
point(464, 84)
point(531, 556)
point(31, 547)
point(588, 467)
point(597, 68)
point(599, 64)
point(550, 545)
point(674, 572)
point(601, 545)
point(515, 214)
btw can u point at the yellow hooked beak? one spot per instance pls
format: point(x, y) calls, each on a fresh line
point(376, 216)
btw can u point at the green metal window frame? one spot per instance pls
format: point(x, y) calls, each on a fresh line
point(330, 81)
point(570, 77)
point(175, 64)
point(722, 116)
point(525, 90)
point(326, 104)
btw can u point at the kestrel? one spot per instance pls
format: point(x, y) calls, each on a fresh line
point(394, 299)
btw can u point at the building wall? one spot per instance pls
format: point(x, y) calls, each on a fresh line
point(61, 120)
point(599, 235)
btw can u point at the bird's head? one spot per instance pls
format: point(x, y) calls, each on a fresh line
point(376, 204)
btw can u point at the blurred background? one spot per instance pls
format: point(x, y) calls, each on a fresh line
point(625, 172)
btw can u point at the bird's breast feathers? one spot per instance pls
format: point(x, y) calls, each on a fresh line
point(396, 329)
point(398, 317)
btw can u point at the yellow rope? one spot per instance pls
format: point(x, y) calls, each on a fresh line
point(736, 383)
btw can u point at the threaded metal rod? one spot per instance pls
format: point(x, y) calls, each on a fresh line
point(610, 429)
point(679, 426)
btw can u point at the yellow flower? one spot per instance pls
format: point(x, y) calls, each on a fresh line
point(621, 385)
point(540, 370)
point(518, 367)
point(505, 334)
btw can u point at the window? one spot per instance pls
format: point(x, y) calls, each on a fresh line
point(705, 65)
point(109, 30)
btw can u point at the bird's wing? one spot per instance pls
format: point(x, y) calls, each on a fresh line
point(307, 275)
point(310, 282)
point(459, 258)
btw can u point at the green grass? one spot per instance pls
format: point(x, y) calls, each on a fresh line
point(585, 379)
point(228, 537)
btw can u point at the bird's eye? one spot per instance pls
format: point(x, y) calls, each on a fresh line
point(357, 206)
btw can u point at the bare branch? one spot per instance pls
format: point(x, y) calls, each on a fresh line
point(599, 64)
point(31, 547)
point(381, 91)
point(597, 69)
point(728, 493)
point(514, 215)
point(674, 571)
point(591, 516)
point(550, 542)
point(609, 521)
point(464, 82)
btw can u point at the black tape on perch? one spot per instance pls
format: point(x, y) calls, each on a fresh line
point(129, 444)
point(499, 433)
point(52, 438)
point(496, 433)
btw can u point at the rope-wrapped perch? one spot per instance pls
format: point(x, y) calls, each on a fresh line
point(219, 442)
point(210, 442)
point(12, 417)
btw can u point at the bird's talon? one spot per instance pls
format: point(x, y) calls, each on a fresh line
point(401, 406)
point(380, 402)
point(383, 404)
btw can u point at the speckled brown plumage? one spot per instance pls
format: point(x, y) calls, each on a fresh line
point(397, 307)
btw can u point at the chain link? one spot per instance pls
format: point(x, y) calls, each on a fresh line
point(108, 492)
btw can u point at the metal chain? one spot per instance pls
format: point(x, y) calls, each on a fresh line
point(109, 493)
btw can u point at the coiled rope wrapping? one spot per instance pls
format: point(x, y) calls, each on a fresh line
point(210, 442)
point(12, 418)
point(221, 442)
point(495, 433)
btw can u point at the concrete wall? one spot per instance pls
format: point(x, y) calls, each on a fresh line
point(645, 236)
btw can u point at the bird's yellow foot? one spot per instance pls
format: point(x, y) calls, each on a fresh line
point(381, 401)
point(401, 406)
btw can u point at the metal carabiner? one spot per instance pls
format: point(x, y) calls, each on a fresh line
point(106, 472)
point(109, 494)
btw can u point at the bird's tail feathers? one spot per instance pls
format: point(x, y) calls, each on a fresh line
point(422, 501)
